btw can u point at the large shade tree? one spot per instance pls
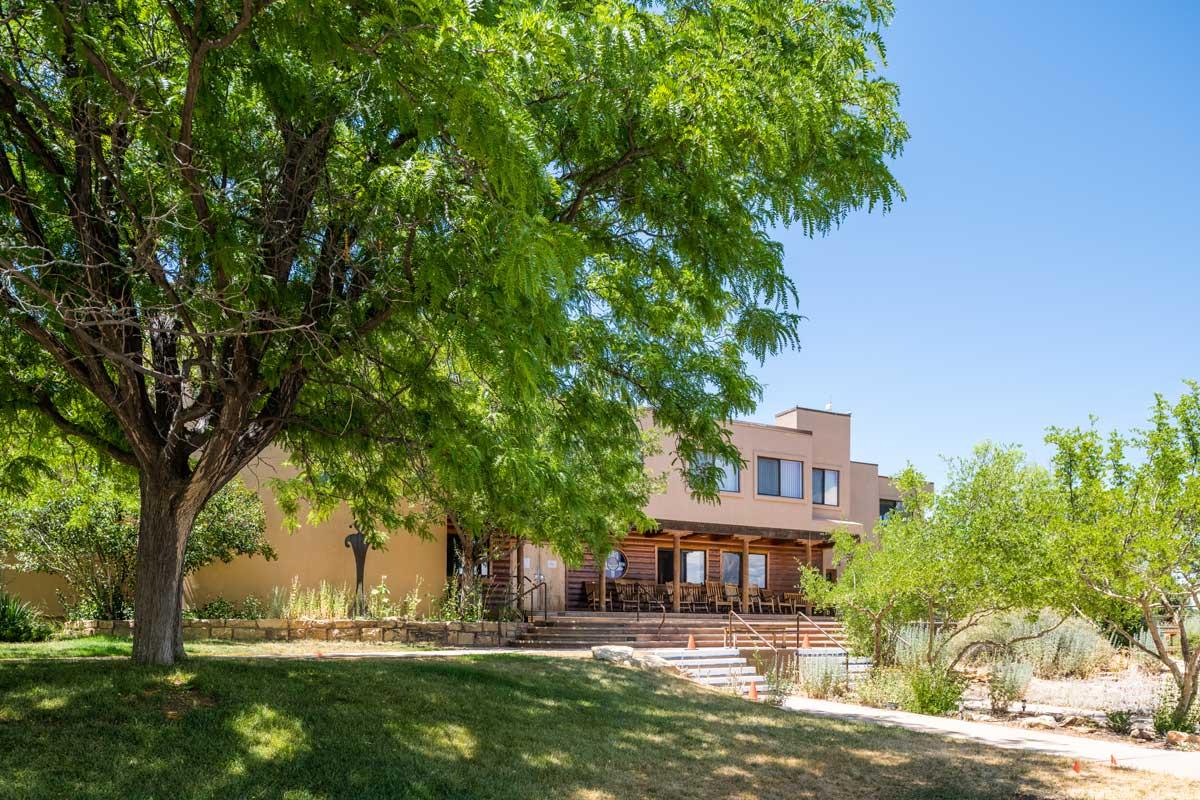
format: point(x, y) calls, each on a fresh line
point(443, 251)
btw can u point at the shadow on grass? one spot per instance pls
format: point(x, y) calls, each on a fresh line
point(486, 727)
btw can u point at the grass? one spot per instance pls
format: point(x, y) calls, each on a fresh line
point(114, 646)
point(472, 727)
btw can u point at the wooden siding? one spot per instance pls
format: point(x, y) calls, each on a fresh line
point(783, 561)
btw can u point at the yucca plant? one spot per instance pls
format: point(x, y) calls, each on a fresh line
point(20, 621)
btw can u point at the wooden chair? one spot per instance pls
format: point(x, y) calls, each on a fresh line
point(692, 598)
point(733, 596)
point(716, 596)
point(591, 592)
point(761, 599)
point(627, 595)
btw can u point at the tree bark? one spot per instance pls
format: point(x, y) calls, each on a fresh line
point(163, 529)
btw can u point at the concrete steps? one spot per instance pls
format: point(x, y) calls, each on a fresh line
point(718, 667)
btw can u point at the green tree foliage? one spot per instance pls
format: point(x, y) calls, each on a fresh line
point(81, 522)
point(454, 253)
point(949, 559)
point(1130, 533)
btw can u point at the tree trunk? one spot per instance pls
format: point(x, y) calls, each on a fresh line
point(1187, 696)
point(163, 530)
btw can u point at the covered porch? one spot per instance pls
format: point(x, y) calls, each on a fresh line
point(701, 568)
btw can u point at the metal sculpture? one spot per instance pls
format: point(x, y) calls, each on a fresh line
point(357, 542)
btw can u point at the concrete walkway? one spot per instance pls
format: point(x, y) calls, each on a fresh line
point(1170, 762)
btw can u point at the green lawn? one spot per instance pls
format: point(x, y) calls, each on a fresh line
point(471, 727)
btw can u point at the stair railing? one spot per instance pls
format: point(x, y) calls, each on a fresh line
point(643, 592)
point(731, 634)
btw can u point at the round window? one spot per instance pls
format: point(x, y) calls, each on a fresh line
point(615, 565)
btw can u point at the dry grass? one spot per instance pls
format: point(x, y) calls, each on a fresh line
point(474, 727)
point(120, 647)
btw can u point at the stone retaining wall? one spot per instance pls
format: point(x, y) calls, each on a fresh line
point(353, 630)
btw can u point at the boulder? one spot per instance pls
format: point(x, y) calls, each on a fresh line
point(1178, 738)
point(1042, 722)
point(618, 654)
point(651, 662)
point(1076, 721)
point(1142, 734)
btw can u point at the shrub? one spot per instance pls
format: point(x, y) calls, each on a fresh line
point(885, 687)
point(411, 604)
point(252, 608)
point(780, 676)
point(20, 621)
point(1166, 716)
point(460, 603)
point(217, 608)
point(81, 522)
point(1076, 648)
point(1007, 683)
point(1120, 722)
point(820, 677)
point(935, 690)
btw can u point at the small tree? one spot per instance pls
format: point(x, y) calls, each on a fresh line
point(1129, 531)
point(80, 521)
point(952, 559)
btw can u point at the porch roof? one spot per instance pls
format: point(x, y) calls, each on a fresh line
point(819, 533)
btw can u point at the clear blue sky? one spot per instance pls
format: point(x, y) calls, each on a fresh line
point(1046, 264)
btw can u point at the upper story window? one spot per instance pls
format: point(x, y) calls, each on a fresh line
point(730, 479)
point(779, 477)
point(887, 507)
point(825, 486)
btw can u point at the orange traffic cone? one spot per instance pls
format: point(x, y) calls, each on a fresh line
point(1112, 760)
point(691, 642)
point(754, 693)
point(1076, 766)
point(805, 643)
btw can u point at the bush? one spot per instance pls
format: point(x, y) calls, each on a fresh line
point(1076, 648)
point(20, 621)
point(1119, 722)
point(820, 677)
point(885, 687)
point(459, 603)
point(1007, 684)
point(934, 690)
point(81, 522)
point(1165, 717)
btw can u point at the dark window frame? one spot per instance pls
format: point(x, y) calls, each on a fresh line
point(824, 470)
point(683, 551)
point(738, 555)
point(778, 468)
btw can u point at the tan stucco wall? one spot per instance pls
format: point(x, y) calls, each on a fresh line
point(317, 552)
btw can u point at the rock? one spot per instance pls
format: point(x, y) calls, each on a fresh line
point(1142, 734)
point(1193, 738)
point(1178, 738)
point(1076, 721)
point(975, 716)
point(651, 662)
point(1044, 722)
point(618, 654)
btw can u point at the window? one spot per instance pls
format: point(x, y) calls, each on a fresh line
point(455, 560)
point(731, 569)
point(825, 487)
point(887, 507)
point(730, 479)
point(691, 565)
point(779, 477)
point(615, 565)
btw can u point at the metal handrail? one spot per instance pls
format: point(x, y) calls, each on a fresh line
point(731, 637)
point(650, 598)
point(517, 597)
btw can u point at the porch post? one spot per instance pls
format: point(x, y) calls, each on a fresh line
point(675, 574)
point(745, 574)
point(603, 581)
